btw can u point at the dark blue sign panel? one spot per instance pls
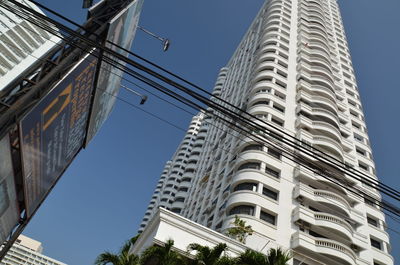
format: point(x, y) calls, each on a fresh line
point(121, 31)
point(9, 211)
point(53, 132)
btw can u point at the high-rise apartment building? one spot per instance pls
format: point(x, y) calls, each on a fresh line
point(21, 44)
point(293, 70)
point(169, 193)
point(27, 251)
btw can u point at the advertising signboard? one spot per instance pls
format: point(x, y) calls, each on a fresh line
point(9, 210)
point(121, 31)
point(53, 132)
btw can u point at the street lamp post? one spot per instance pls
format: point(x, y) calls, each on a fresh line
point(166, 42)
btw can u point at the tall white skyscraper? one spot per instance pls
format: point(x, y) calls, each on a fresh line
point(27, 251)
point(169, 193)
point(293, 70)
point(21, 43)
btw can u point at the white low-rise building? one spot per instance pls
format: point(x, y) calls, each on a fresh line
point(27, 251)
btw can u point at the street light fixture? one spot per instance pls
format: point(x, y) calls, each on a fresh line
point(143, 97)
point(166, 42)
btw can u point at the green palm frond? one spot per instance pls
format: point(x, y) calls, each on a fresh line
point(106, 258)
point(122, 258)
point(206, 255)
point(278, 256)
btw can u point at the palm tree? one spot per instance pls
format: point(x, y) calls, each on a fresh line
point(210, 256)
point(252, 257)
point(162, 255)
point(274, 257)
point(122, 258)
point(278, 256)
point(240, 230)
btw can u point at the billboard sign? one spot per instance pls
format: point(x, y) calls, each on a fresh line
point(53, 132)
point(9, 210)
point(121, 31)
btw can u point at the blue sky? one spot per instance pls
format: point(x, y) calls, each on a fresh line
point(101, 199)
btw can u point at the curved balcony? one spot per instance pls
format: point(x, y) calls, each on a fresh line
point(182, 194)
point(325, 115)
point(341, 228)
point(313, 18)
point(311, 59)
point(313, 51)
point(335, 252)
point(308, 12)
point(323, 127)
point(322, 143)
point(330, 145)
point(317, 42)
point(252, 175)
point(332, 200)
point(383, 257)
point(316, 30)
point(270, 36)
point(260, 96)
point(318, 80)
point(185, 184)
point(313, 23)
point(264, 109)
point(269, 232)
point(303, 173)
point(178, 205)
point(320, 90)
point(317, 99)
point(245, 196)
point(267, 74)
point(312, 33)
point(272, 18)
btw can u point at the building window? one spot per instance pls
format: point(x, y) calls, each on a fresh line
point(371, 201)
point(278, 122)
point(246, 186)
point(376, 244)
point(373, 221)
point(242, 209)
point(180, 199)
point(363, 166)
point(253, 147)
point(274, 153)
point(273, 172)
point(269, 218)
point(251, 165)
point(270, 193)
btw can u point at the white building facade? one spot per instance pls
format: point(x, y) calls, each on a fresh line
point(27, 251)
point(168, 193)
point(293, 70)
point(21, 44)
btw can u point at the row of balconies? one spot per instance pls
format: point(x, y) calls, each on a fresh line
point(326, 91)
point(321, 126)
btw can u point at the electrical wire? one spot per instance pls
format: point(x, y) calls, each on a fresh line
point(283, 178)
point(210, 94)
point(177, 127)
point(170, 94)
point(186, 102)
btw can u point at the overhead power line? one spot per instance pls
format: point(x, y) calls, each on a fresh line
point(212, 104)
point(358, 173)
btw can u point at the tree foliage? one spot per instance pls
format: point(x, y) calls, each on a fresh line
point(274, 257)
point(210, 256)
point(240, 231)
point(162, 255)
point(122, 258)
point(204, 255)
